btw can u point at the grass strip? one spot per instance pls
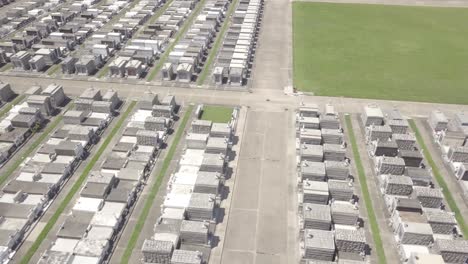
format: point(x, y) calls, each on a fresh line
point(214, 51)
point(154, 190)
point(103, 72)
point(53, 69)
point(6, 67)
point(63, 204)
point(32, 147)
point(179, 34)
point(10, 105)
point(365, 192)
point(440, 180)
point(160, 12)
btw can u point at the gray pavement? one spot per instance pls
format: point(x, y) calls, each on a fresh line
point(269, 99)
point(221, 227)
point(273, 58)
point(259, 217)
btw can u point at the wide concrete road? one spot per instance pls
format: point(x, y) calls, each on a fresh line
point(258, 98)
point(273, 59)
point(261, 227)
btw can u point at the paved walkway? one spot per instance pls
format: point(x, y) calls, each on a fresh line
point(259, 223)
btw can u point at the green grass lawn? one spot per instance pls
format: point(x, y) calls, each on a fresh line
point(384, 52)
point(217, 114)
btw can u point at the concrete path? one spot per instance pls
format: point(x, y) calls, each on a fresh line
point(221, 227)
point(273, 58)
point(273, 99)
point(259, 224)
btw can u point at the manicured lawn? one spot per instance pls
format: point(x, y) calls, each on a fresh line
point(52, 70)
point(440, 180)
point(103, 72)
point(149, 202)
point(217, 114)
point(374, 226)
point(385, 52)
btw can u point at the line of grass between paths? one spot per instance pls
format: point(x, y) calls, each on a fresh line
point(10, 105)
point(365, 192)
point(181, 33)
point(6, 67)
point(440, 180)
point(53, 69)
point(32, 147)
point(76, 186)
point(160, 12)
point(154, 189)
point(219, 40)
point(103, 72)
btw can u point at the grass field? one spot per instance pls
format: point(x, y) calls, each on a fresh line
point(384, 52)
point(217, 114)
